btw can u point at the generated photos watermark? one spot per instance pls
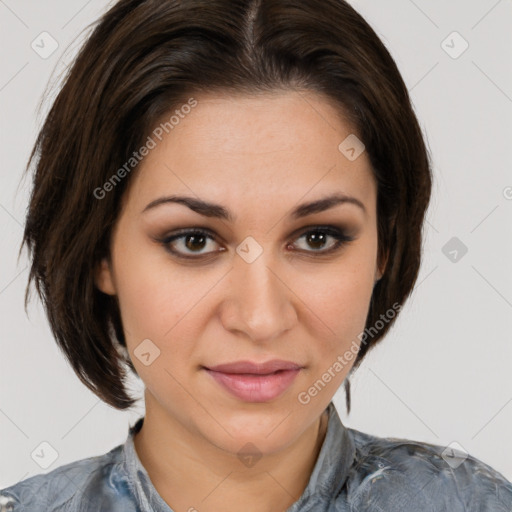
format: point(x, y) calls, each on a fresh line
point(341, 362)
point(151, 143)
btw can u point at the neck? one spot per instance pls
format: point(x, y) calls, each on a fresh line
point(190, 473)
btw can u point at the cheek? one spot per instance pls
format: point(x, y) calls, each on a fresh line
point(157, 304)
point(153, 300)
point(339, 298)
point(347, 303)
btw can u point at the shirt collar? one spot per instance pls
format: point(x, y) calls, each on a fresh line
point(332, 465)
point(327, 478)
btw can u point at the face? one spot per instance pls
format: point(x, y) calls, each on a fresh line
point(253, 276)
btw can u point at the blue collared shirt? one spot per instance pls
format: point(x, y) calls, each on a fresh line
point(354, 471)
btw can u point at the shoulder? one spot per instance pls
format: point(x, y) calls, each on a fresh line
point(399, 473)
point(64, 488)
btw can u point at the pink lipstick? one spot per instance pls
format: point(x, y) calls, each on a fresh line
point(255, 382)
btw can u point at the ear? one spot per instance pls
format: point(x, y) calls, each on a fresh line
point(103, 277)
point(380, 269)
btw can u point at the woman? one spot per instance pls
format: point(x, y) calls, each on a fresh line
point(228, 200)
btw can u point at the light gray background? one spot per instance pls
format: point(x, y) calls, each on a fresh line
point(443, 373)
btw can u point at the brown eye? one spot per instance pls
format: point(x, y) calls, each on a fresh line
point(317, 239)
point(190, 243)
point(195, 242)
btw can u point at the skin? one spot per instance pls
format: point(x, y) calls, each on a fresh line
point(259, 157)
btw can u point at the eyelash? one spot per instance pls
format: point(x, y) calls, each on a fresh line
point(339, 235)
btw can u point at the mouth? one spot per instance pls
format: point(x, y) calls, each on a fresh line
point(255, 382)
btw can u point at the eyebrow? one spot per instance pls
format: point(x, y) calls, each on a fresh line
point(209, 209)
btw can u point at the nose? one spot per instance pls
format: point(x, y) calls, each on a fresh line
point(259, 302)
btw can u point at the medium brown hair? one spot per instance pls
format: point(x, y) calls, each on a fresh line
point(146, 57)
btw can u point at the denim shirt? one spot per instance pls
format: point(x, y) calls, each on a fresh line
point(354, 471)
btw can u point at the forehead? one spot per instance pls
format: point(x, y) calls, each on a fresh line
point(280, 146)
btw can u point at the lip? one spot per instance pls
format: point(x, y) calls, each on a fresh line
point(255, 368)
point(255, 382)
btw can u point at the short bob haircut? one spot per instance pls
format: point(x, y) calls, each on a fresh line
point(144, 58)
